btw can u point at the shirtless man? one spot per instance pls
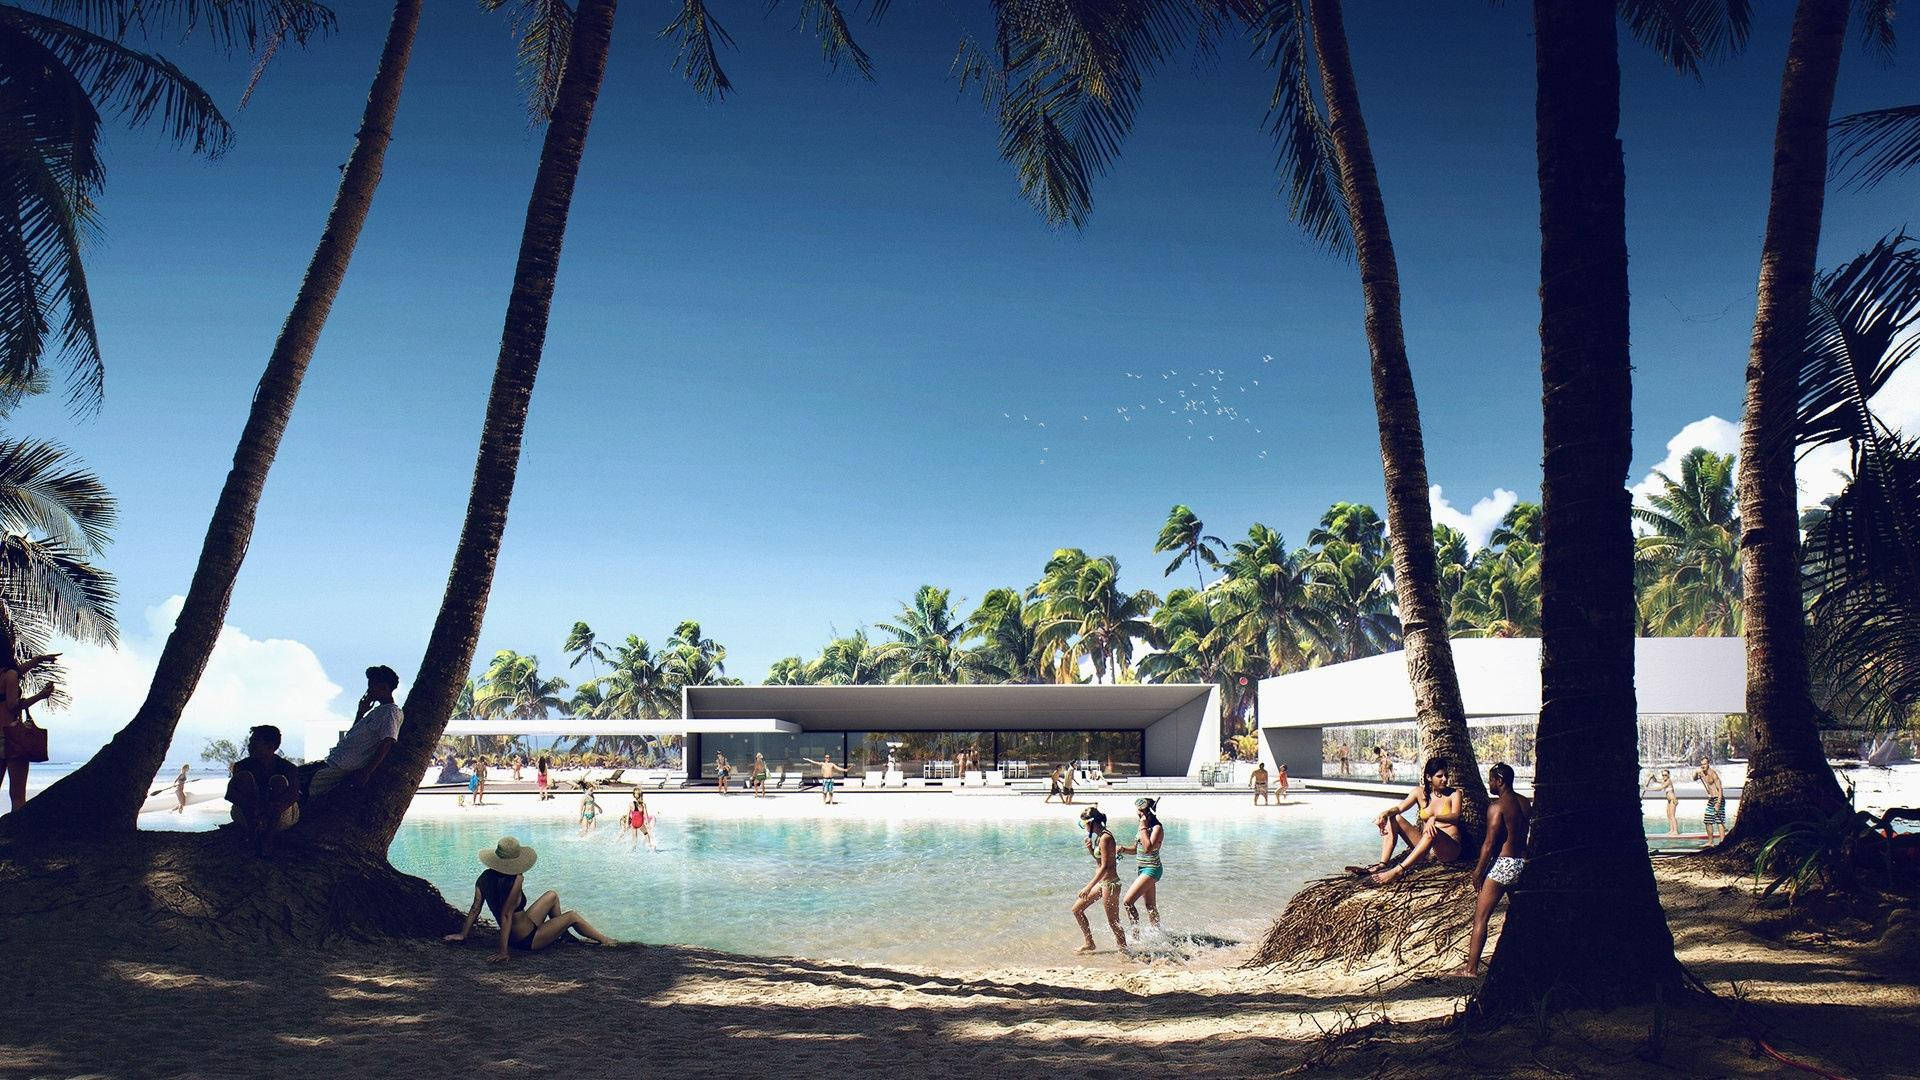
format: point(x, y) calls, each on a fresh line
point(1260, 785)
point(1384, 758)
point(1716, 798)
point(1346, 760)
point(829, 771)
point(1502, 858)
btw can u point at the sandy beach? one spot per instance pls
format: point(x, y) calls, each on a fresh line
point(103, 997)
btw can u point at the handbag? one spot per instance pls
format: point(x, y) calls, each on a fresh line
point(26, 739)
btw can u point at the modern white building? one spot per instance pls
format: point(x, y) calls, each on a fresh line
point(1499, 677)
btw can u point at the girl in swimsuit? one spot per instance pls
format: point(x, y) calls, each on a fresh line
point(589, 809)
point(640, 821)
point(1105, 885)
point(1146, 851)
point(522, 926)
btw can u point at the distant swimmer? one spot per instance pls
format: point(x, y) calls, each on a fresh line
point(1503, 857)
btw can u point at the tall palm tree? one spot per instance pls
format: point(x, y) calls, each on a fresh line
point(1500, 595)
point(1011, 646)
point(926, 645)
point(637, 683)
point(1184, 534)
point(56, 519)
point(108, 790)
point(787, 671)
point(1692, 551)
point(583, 644)
point(852, 660)
point(1787, 773)
point(1268, 599)
point(514, 689)
point(692, 659)
point(1103, 619)
point(1349, 584)
point(1195, 646)
point(1588, 849)
point(371, 824)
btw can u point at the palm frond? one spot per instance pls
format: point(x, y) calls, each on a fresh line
point(1869, 147)
point(1876, 28)
point(51, 581)
point(1315, 199)
point(42, 492)
point(698, 39)
point(1689, 33)
point(543, 30)
point(829, 23)
point(231, 25)
point(1860, 330)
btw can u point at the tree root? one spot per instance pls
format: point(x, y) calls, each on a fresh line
point(209, 886)
point(1426, 913)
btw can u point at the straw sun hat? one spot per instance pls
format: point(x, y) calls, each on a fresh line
point(509, 856)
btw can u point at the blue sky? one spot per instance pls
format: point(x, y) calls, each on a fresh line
point(788, 325)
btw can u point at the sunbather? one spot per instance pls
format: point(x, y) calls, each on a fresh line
point(1436, 838)
point(522, 926)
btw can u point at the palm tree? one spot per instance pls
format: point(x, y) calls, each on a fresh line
point(1267, 598)
point(1084, 600)
point(1692, 551)
point(107, 791)
point(787, 671)
point(1587, 848)
point(1348, 583)
point(637, 683)
point(926, 640)
point(1787, 773)
point(1183, 533)
point(457, 627)
point(582, 644)
point(849, 661)
point(1195, 646)
point(1500, 595)
point(1011, 646)
point(56, 518)
point(514, 689)
point(692, 659)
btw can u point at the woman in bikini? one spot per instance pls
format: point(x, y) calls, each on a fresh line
point(589, 809)
point(526, 927)
point(1665, 783)
point(1146, 852)
point(13, 715)
point(541, 780)
point(1435, 839)
point(1105, 886)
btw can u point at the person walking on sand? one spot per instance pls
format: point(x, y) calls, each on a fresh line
point(541, 780)
point(1146, 852)
point(363, 746)
point(1105, 886)
point(480, 776)
point(1053, 785)
point(759, 776)
point(1436, 838)
point(829, 770)
point(589, 809)
point(1066, 785)
point(1280, 778)
point(1502, 858)
point(21, 741)
point(721, 770)
point(180, 791)
point(1259, 781)
point(501, 888)
point(1716, 815)
point(1664, 781)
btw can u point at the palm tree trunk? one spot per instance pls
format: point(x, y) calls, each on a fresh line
point(1788, 777)
point(105, 794)
point(370, 822)
point(1586, 915)
point(1423, 620)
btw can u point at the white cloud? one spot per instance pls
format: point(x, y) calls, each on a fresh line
point(1476, 523)
point(248, 681)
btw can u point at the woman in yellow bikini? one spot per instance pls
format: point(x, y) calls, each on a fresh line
point(1436, 838)
point(1105, 885)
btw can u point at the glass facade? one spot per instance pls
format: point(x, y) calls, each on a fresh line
point(928, 754)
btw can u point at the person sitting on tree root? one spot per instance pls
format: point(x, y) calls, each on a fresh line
point(1436, 838)
point(362, 747)
point(1502, 858)
point(264, 789)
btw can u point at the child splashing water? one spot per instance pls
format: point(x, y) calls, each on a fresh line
point(1146, 852)
point(640, 822)
point(589, 809)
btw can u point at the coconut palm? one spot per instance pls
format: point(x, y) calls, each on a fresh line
point(926, 640)
point(1692, 550)
point(849, 661)
point(1780, 714)
point(1184, 534)
point(56, 519)
point(1349, 584)
point(692, 659)
point(513, 689)
point(1268, 600)
point(1500, 594)
point(61, 174)
point(786, 671)
point(1012, 645)
point(1195, 646)
point(637, 683)
point(1083, 599)
point(583, 644)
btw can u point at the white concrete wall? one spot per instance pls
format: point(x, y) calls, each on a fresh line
point(1179, 743)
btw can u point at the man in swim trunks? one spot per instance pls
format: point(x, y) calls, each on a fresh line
point(1502, 858)
point(830, 771)
point(1260, 785)
point(1716, 798)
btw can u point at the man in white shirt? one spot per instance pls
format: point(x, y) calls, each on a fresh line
point(362, 747)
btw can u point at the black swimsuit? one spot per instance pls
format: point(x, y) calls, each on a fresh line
point(494, 888)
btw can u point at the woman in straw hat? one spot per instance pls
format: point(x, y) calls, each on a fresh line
point(521, 927)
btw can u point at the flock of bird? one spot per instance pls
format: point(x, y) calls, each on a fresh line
point(1210, 401)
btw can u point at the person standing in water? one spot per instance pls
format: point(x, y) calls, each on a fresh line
point(1664, 781)
point(1146, 851)
point(1105, 886)
point(180, 791)
point(589, 809)
point(1716, 816)
point(1502, 858)
point(641, 822)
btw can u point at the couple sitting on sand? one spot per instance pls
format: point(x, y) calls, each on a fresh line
point(266, 789)
point(1439, 838)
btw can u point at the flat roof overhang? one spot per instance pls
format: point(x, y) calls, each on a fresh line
point(966, 707)
point(1500, 677)
point(563, 726)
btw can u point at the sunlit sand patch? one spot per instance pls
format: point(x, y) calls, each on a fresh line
point(308, 1041)
point(396, 982)
point(161, 979)
point(532, 984)
point(353, 994)
point(387, 1020)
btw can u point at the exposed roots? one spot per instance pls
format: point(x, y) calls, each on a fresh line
point(209, 886)
point(1425, 913)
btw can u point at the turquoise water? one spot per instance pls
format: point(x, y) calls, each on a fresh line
point(939, 891)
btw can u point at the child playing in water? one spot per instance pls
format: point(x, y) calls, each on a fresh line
point(641, 822)
point(589, 809)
